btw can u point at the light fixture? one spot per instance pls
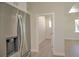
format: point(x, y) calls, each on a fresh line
point(74, 9)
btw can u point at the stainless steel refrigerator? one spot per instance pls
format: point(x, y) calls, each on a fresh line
point(14, 32)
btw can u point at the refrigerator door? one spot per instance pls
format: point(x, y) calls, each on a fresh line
point(27, 33)
point(24, 33)
point(21, 36)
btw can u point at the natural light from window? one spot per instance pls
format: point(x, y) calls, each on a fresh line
point(77, 25)
point(50, 25)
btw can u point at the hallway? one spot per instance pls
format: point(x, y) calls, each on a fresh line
point(44, 49)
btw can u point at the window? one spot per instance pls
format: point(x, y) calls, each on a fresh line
point(77, 25)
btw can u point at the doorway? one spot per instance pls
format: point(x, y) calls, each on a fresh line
point(44, 28)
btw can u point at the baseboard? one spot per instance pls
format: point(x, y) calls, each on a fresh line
point(58, 54)
point(71, 39)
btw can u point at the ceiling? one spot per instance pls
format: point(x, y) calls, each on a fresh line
point(49, 6)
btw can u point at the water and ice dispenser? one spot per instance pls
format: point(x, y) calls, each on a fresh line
point(11, 45)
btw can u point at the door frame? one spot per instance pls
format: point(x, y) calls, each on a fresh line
point(53, 28)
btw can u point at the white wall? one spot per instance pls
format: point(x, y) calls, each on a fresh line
point(58, 41)
point(70, 33)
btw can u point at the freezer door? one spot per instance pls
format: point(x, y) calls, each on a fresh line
point(8, 25)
